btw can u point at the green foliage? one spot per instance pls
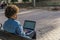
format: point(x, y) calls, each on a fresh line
point(1, 0)
point(25, 0)
point(14, 0)
point(53, 3)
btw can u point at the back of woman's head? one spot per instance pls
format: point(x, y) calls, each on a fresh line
point(11, 10)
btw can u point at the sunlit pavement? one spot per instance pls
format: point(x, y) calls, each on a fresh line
point(47, 23)
point(50, 31)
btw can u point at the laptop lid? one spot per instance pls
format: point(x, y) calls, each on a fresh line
point(28, 24)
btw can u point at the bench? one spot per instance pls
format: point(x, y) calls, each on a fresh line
point(8, 36)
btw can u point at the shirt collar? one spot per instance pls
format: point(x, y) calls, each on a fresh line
point(11, 19)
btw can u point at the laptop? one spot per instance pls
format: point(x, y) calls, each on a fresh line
point(29, 25)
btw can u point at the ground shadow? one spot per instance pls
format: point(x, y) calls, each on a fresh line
point(44, 30)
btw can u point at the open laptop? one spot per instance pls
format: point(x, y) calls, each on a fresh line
point(29, 25)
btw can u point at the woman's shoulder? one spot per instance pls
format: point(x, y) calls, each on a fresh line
point(16, 21)
point(12, 22)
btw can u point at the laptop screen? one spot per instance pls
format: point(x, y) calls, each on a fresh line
point(29, 24)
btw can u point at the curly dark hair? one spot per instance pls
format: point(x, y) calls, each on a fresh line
point(11, 10)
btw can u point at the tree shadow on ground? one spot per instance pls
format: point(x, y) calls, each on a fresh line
point(44, 30)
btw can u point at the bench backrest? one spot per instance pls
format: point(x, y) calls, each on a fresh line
point(12, 36)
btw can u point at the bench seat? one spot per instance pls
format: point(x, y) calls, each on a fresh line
point(8, 36)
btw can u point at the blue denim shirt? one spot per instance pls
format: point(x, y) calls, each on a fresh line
point(14, 26)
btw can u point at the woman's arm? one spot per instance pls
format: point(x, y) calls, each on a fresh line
point(19, 29)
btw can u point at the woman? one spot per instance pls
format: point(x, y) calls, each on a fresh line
point(11, 24)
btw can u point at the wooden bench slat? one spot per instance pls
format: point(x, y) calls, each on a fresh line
point(12, 36)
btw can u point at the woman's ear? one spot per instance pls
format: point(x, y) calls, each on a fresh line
point(15, 16)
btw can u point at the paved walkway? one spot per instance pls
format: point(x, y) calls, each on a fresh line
point(22, 10)
point(51, 32)
point(50, 35)
point(53, 35)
